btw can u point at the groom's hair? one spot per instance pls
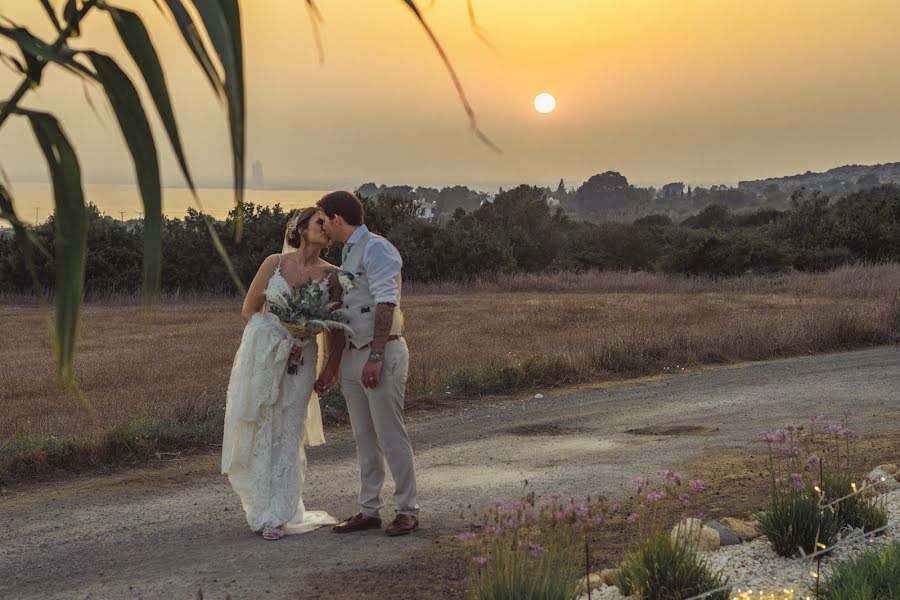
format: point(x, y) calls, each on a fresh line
point(345, 204)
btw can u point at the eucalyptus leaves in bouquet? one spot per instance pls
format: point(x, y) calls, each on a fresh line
point(309, 311)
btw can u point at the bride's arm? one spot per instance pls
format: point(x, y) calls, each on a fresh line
point(334, 344)
point(256, 294)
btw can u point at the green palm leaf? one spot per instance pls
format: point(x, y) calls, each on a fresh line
point(222, 19)
point(51, 14)
point(71, 223)
point(135, 128)
point(137, 41)
point(37, 52)
point(195, 45)
point(411, 4)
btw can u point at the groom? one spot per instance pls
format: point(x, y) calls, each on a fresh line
point(373, 364)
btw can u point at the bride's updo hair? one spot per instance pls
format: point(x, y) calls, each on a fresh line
point(297, 222)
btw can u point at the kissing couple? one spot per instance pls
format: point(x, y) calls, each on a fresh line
point(272, 408)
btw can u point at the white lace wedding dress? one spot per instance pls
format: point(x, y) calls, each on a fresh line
point(268, 415)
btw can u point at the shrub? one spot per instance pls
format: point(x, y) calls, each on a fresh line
point(854, 510)
point(873, 575)
point(795, 520)
point(661, 569)
point(528, 553)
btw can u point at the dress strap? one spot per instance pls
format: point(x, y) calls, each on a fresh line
point(278, 266)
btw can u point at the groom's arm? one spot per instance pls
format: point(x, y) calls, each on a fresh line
point(384, 318)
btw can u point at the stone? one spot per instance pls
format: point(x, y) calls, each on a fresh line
point(890, 468)
point(726, 536)
point(882, 480)
point(694, 533)
point(594, 580)
point(609, 576)
point(742, 529)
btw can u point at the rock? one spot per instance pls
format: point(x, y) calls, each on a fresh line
point(694, 533)
point(726, 536)
point(609, 576)
point(594, 580)
point(883, 480)
point(742, 529)
point(538, 396)
point(890, 468)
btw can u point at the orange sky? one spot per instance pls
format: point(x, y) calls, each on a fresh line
point(660, 90)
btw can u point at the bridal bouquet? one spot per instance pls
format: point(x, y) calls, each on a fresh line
point(308, 312)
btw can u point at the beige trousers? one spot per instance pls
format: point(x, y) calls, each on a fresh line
point(376, 416)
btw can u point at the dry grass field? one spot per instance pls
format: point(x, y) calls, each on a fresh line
point(157, 380)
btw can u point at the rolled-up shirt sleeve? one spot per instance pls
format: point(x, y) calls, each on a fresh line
point(383, 264)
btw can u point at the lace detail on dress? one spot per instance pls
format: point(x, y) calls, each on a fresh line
point(265, 419)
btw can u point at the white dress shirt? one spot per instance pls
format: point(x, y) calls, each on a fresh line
point(382, 263)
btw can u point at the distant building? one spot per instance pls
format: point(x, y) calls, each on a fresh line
point(427, 210)
point(257, 180)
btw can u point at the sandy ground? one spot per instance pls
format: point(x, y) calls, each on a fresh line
point(168, 530)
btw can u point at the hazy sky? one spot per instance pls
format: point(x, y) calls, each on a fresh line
point(660, 90)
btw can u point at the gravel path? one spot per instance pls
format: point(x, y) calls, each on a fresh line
point(167, 531)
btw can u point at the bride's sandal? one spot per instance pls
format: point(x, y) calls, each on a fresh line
point(272, 533)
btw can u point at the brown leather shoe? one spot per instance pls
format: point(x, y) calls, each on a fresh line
point(358, 522)
point(402, 525)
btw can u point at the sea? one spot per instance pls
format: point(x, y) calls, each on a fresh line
point(34, 201)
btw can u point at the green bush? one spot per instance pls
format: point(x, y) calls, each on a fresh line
point(795, 520)
point(873, 575)
point(854, 510)
point(528, 553)
point(661, 569)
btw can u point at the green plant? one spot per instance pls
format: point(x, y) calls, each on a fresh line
point(795, 519)
point(853, 510)
point(528, 553)
point(661, 569)
point(873, 575)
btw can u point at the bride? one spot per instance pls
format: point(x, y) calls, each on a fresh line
point(271, 410)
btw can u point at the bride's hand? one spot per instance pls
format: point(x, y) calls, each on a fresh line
point(326, 379)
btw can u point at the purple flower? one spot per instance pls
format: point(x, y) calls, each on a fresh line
point(670, 475)
point(467, 535)
point(818, 418)
point(846, 413)
point(638, 483)
point(632, 517)
point(812, 460)
point(656, 495)
point(767, 437)
point(559, 515)
point(596, 520)
point(512, 524)
point(797, 481)
point(790, 428)
point(479, 560)
point(697, 485)
point(616, 507)
point(535, 549)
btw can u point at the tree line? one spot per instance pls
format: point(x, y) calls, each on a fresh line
point(517, 232)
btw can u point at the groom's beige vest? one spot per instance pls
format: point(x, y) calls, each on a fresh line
point(358, 300)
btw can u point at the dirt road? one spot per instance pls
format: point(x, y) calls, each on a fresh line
point(165, 531)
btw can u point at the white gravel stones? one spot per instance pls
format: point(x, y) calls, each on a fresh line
point(754, 565)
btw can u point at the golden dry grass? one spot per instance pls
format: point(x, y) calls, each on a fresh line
point(173, 364)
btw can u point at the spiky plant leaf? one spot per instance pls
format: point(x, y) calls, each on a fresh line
point(70, 221)
point(135, 128)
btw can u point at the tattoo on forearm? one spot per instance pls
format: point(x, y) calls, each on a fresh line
point(384, 318)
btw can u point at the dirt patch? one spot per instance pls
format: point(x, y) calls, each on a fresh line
point(674, 430)
point(546, 429)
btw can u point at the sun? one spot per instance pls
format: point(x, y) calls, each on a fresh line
point(544, 103)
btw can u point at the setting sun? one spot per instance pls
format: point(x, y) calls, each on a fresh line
point(544, 103)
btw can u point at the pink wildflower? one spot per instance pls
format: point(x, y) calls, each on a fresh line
point(479, 560)
point(632, 517)
point(697, 485)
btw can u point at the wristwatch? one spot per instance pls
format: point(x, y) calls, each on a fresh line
point(375, 356)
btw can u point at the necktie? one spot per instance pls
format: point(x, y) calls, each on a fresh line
point(345, 252)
